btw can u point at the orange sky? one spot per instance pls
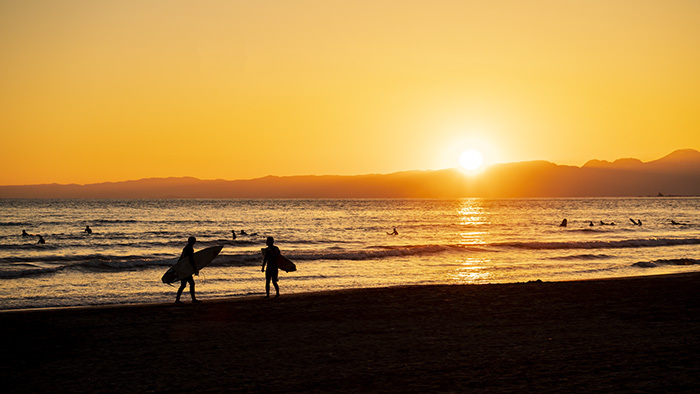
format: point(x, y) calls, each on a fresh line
point(96, 91)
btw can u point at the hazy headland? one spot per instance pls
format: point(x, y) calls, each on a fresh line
point(677, 174)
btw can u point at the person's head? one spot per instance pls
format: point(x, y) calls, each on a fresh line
point(270, 241)
point(191, 240)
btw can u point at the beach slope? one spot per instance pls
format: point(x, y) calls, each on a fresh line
point(622, 335)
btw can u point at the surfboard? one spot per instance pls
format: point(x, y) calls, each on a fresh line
point(283, 263)
point(182, 269)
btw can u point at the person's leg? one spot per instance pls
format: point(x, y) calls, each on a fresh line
point(190, 280)
point(274, 282)
point(183, 283)
point(267, 283)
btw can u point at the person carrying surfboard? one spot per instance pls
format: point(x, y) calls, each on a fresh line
point(272, 253)
point(187, 252)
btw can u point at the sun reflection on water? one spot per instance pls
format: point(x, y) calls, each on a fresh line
point(472, 270)
point(473, 221)
point(474, 224)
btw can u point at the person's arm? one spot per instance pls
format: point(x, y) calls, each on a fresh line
point(265, 259)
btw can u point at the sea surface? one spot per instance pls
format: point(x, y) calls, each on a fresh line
point(335, 244)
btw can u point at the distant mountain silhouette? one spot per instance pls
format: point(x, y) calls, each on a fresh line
point(675, 174)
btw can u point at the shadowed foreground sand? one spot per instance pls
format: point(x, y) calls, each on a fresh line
point(626, 335)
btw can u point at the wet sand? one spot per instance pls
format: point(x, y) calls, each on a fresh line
point(621, 335)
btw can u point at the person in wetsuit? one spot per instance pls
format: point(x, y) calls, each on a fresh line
point(187, 252)
point(270, 258)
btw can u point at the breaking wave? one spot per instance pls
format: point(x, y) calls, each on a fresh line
point(630, 243)
point(662, 262)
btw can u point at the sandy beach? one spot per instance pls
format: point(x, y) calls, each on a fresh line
point(621, 335)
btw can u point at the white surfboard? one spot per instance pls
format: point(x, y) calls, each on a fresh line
point(182, 269)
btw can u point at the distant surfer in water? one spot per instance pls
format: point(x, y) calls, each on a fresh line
point(41, 240)
point(24, 233)
point(233, 232)
point(564, 223)
point(187, 252)
point(393, 232)
point(272, 253)
point(88, 230)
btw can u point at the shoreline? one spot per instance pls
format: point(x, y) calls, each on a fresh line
point(322, 292)
point(633, 334)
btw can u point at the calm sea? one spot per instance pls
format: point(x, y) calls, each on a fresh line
point(335, 243)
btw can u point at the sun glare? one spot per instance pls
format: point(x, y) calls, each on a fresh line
point(471, 159)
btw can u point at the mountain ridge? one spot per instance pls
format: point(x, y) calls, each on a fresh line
point(677, 173)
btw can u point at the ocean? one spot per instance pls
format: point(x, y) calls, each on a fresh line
point(336, 244)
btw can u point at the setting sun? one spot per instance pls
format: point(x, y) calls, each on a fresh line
point(471, 160)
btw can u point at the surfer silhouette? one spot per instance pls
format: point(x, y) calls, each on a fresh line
point(41, 240)
point(24, 233)
point(564, 223)
point(88, 230)
point(272, 253)
point(187, 252)
point(233, 232)
point(394, 232)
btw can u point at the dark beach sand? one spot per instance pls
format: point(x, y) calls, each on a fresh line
point(622, 335)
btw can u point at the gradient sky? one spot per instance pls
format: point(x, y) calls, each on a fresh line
point(95, 91)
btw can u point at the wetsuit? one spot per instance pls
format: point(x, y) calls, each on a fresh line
point(272, 271)
point(187, 251)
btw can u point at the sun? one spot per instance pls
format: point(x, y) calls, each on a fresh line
point(471, 160)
